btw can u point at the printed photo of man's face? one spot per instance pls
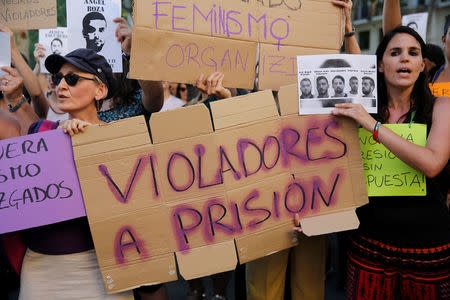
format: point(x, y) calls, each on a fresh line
point(94, 31)
point(56, 46)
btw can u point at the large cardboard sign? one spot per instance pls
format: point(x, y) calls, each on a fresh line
point(24, 15)
point(32, 191)
point(387, 175)
point(90, 25)
point(217, 196)
point(242, 23)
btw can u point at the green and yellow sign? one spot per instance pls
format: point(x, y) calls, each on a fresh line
point(387, 175)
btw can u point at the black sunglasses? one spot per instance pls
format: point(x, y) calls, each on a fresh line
point(71, 78)
point(182, 89)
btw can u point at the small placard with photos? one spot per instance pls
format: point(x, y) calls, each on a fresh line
point(326, 80)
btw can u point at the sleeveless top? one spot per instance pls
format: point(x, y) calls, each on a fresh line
point(439, 89)
point(409, 221)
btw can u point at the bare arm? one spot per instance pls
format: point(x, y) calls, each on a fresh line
point(152, 91)
point(350, 42)
point(152, 95)
point(11, 85)
point(9, 127)
point(430, 159)
point(29, 79)
point(392, 16)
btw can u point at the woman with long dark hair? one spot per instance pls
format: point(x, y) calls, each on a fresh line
point(402, 247)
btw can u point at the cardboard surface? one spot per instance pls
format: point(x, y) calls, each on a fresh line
point(31, 188)
point(22, 15)
point(281, 23)
point(180, 57)
point(387, 175)
point(278, 67)
point(184, 38)
point(197, 192)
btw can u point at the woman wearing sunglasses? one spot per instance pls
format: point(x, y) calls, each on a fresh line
point(60, 261)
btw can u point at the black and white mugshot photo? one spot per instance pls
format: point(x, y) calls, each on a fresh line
point(326, 80)
point(91, 26)
point(53, 41)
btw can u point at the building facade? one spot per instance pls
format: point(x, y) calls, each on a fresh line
point(367, 19)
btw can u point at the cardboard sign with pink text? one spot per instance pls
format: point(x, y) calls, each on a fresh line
point(214, 197)
point(192, 37)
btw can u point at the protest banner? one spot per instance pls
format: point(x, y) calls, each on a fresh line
point(90, 25)
point(279, 67)
point(55, 41)
point(325, 80)
point(313, 24)
point(5, 51)
point(197, 191)
point(33, 192)
point(387, 175)
point(418, 22)
point(25, 15)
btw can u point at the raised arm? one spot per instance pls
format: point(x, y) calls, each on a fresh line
point(152, 95)
point(430, 159)
point(392, 16)
point(29, 79)
point(350, 41)
point(11, 85)
point(152, 91)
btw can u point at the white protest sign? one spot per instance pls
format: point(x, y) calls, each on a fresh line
point(90, 25)
point(418, 22)
point(55, 41)
point(325, 80)
point(5, 51)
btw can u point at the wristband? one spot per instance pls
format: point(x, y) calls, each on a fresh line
point(18, 105)
point(375, 132)
point(350, 34)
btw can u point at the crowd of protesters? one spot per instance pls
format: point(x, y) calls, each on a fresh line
point(401, 249)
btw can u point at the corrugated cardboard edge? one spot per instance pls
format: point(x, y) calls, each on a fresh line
point(285, 96)
point(149, 272)
point(180, 123)
point(211, 259)
point(243, 110)
point(253, 246)
point(329, 223)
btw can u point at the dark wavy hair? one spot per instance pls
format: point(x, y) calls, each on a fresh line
point(421, 97)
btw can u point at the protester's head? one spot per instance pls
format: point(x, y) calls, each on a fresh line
point(322, 85)
point(401, 66)
point(94, 30)
point(182, 92)
point(367, 85)
point(338, 84)
point(56, 46)
point(434, 59)
point(83, 78)
point(353, 82)
point(305, 86)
